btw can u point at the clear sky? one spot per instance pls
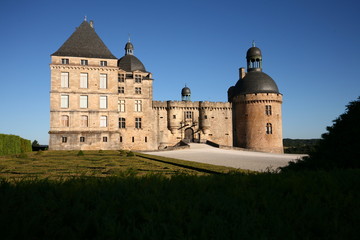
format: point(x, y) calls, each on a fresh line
point(310, 48)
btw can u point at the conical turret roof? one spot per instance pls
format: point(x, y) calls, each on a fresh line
point(84, 42)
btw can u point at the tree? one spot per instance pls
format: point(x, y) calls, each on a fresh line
point(339, 147)
point(35, 143)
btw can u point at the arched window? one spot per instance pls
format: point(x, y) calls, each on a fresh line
point(268, 128)
point(84, 122)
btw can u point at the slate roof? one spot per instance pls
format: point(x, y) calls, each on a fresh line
point(256, 82)
point(84, 42)
point(130, 63)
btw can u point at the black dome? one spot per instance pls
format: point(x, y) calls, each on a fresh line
point(185, 91)
point(130, 63)
point(129, 45)
point(256, 82)
point(252, 52)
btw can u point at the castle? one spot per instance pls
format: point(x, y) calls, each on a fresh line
point(100, 102)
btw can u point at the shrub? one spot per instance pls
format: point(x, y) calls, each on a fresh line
point(130, 154)
point(80, 153)
point(11, 144)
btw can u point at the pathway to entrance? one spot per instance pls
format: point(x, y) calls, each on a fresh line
point(231, 158)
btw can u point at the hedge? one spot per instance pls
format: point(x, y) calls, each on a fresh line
point(12, 144)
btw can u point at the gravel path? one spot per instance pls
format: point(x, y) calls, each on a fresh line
point(231, 158)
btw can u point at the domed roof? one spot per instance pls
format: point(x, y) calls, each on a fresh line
point(252, 52)
point(130, 63)
point(256, 82)
point(129, 45)
point(185, 91)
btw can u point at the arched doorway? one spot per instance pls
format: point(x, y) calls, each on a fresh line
point(189, 135)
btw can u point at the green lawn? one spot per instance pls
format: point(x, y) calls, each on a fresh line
point(64, 164)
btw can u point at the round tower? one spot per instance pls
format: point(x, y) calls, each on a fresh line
point(257, 117)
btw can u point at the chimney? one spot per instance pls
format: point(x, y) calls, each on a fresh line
point(92, 23)
point(242, 73)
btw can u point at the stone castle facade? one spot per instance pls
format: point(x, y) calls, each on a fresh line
point(100, 102)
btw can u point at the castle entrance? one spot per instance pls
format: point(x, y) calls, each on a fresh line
point(189, 135)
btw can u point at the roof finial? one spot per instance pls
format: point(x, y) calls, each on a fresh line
point(253, 43)
point(85, 18)
point(129, 37)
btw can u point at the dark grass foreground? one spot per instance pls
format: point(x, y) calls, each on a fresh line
point(306, 205)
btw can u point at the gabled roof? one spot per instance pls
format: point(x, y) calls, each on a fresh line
point(84, 42)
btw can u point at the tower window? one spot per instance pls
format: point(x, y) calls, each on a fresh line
point(105, 139)
point(133, 139)
point(121, 105)
point(138, 106)
point(84, 101)
point(268, 128)
point(121, 90)
point(121, 139)
point(145, 139)
point(64, 61)
point(268, 110)
point(64, 121)
point(64, 139)
point(82, 139)
point(84, 122)
point(103, 81)
point(121, 77)
point(137, 122)
point(64, 101)
point(138, 90)
point(174, 116)
point(103, 102)
point(188, 115)
point(83, 80)
point(64, 79)
point(137, 78)
point(103, 121)
point(84, 62)
point(122, 122)
point(103, 63)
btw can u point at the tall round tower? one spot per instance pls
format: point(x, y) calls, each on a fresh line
point(257, 118)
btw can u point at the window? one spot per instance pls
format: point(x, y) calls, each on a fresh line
point(64, 79)
point(82, 139)
point(268, 110)
point(104, 139)
point(174, 116)
point(137, 78)
point(268, 128)
point(188, 115)
point(121, 77)
point(103, 121)
point(145, 139)
point(64, 139)
point(121, 105)
point(64, 101)
point(83, 80)
point(103, 102)
point(64, 61)
point(121, 89)
point(133, 139)
point(137, 122)
point(205, 117)
point(122, 123)
point(138, 90)
point(84, 62)
point(120, 138)
point(103, 63)
point(84, 122)
point(83, 101)
point(138, 106)
point(103, 81)
point(64, 121)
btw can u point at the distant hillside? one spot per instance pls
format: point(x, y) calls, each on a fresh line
point(299, 145)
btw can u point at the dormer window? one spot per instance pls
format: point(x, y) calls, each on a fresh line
point(138, 78)
point(103, 63)
point(64, 61)
point(84, 62)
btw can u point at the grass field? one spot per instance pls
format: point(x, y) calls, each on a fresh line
point(64, 164)
point(108, 196)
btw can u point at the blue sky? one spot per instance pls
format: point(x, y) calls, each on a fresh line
point(310, 48)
